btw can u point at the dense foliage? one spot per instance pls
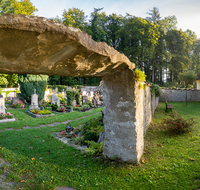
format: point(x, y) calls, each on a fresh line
point(153, 43)
point(30, 82)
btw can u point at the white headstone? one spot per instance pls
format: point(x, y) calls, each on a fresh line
point(55, 99)
point(2, 104)
point(34, 101)
point(11, 94)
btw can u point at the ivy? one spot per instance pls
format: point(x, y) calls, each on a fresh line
point(155, 90)
point(71, 94)
point(140, 77)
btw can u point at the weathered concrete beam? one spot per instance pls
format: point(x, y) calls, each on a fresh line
point(36, 45)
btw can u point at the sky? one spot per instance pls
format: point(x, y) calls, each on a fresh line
point(187, 12)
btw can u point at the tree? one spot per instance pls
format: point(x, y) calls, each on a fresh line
point(188, 78)
point(76, 18)
point(30, 82)
point(17, 7)
point(3, 79)
point(98, 25)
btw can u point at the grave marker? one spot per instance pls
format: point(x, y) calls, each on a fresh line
point(2, 104)
point(34, 100)
point(55, 99)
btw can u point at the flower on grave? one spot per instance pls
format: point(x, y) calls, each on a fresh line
point(44, 105)
point(8, 113)
point(32, 158)
point(62, 132)
point(22, 106)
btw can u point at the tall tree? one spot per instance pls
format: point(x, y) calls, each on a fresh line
point(98, 25)
point(76, 18)
point(17, 7)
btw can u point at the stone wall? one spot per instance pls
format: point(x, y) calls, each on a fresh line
point(128, 110)
point(178, 95)
point(145, 106)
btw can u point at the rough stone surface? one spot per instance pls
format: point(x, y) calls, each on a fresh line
point(101, 137)
point(127, 113)
point(121, 136)
point(178, 95)
point(36, 45)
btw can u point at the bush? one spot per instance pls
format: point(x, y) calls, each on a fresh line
point(155, 90)
point(54, 106)
point(18, 104)
point(94, 125)
point(30, 82)
point(177, 125)
point(89, 104)
point(90, 136)
point(94, 148)
point(85, 106)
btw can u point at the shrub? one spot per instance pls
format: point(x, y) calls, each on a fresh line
point(89, 104)
point(90, 136)
point(85, 106)
point(177, 125)
point(94, 148)
point(54, 106)
point(30, 82)
point(61, 109)
point(155, 90)
point(18, 104)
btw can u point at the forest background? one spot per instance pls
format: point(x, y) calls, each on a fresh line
point(153, 43)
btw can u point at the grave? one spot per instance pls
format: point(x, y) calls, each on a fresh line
point(2, 104)
point(85, 99)
point(34, 101)
point(55, 99)
point(14, 99)
point(11, 95)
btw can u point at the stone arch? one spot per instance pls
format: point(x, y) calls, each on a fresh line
point(36, 45)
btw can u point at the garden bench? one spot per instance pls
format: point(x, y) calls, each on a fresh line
point(168, 106)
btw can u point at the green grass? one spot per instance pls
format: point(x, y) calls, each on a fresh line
point(25, 120)
point(165, 164)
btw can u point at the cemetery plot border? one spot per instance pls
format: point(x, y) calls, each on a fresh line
point(8, 120)
point(38, 115)
point(60, 112)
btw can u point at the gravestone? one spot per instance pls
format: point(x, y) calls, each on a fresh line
point(34, 100)
point(85, 99)
point(74, 103)
point(2, 104)
point(11, 94)
point(15, 99)
point(55, 99)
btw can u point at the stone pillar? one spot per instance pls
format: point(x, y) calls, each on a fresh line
point(123, 133)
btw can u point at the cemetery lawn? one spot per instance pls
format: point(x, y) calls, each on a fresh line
point(168, 162)
point(26, 120)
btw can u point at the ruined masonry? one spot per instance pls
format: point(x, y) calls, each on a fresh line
point(36, 45)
